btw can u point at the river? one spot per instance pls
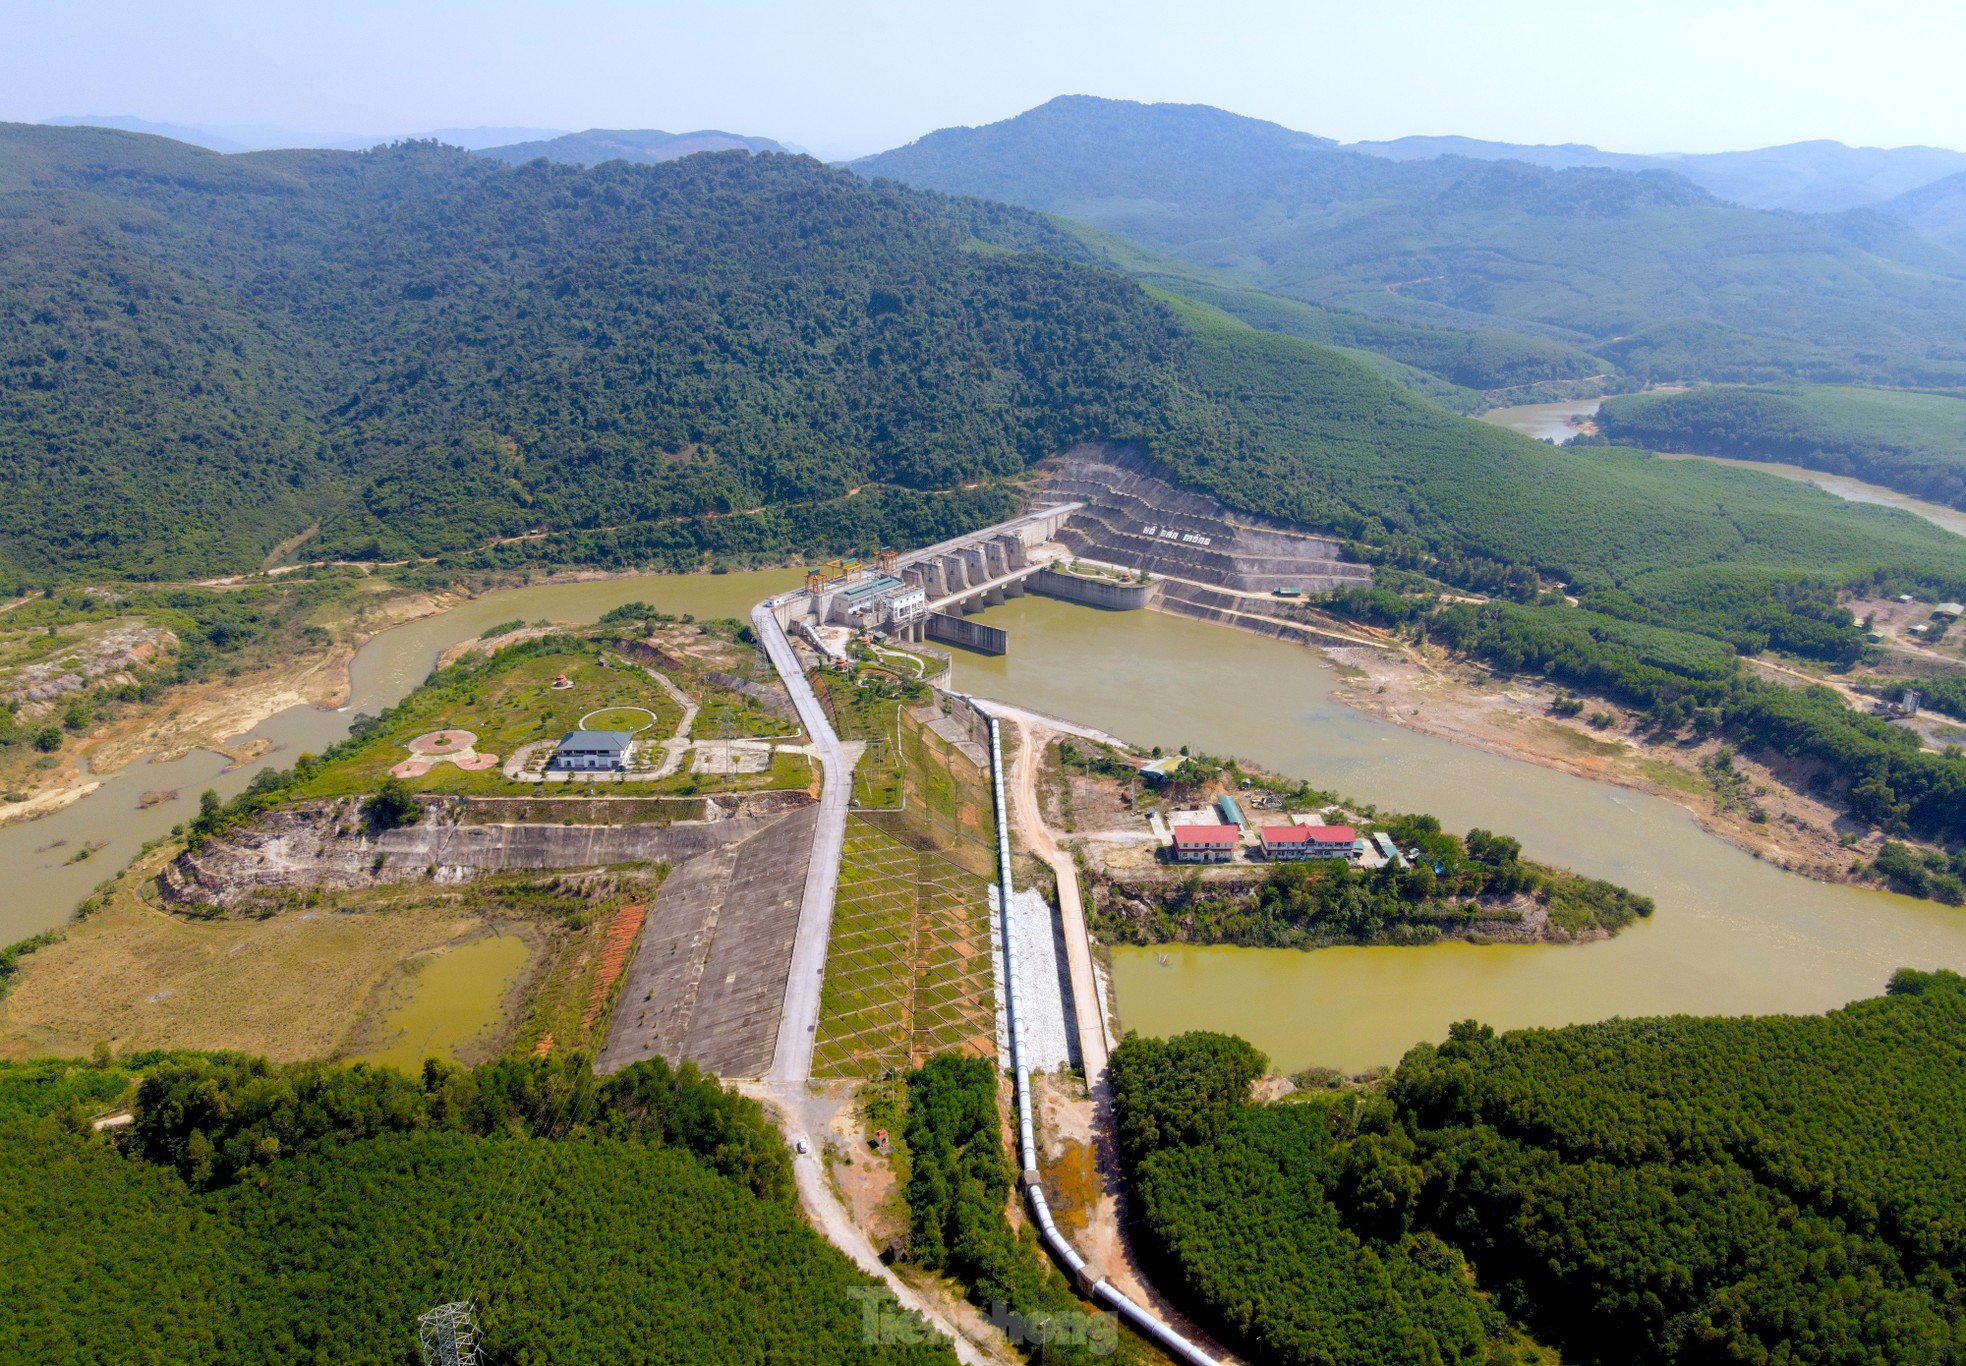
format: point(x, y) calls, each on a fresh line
point(1731, 935)
point(43, 886)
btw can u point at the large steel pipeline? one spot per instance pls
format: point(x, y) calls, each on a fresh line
point(1103, 1291)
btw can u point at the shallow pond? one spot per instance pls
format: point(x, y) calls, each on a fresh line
point(452, 1000)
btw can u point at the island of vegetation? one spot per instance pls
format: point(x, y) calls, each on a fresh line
point(1431, 885)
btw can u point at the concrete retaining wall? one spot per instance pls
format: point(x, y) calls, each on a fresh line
point(1114, 597)
point(973, 635)
point(1224, 609)
point(303, 848)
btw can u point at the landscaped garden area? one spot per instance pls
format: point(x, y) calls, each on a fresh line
point(476, 722)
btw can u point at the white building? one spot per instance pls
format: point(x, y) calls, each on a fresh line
point(586, 750)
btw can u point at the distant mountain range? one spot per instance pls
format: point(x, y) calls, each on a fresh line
point(1938, 210)
point(513, 145)
point(640, 145)
point(1807, 177)
point(1656, 275)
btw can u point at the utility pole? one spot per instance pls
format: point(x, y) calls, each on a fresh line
point(448, 1336)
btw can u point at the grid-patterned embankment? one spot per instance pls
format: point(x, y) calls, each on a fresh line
point(1133, 517)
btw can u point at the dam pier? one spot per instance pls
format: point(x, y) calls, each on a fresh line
point(929, 594)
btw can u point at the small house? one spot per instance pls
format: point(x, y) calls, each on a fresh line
point(590, 750)
point(1948, 611)
point(1205, 843)
point(1310, 841)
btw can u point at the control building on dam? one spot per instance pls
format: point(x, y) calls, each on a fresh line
point(929, 594)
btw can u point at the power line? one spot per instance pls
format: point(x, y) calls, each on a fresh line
point(447, 1336)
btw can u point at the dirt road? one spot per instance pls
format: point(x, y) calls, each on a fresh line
point(1032, 738)
point(804, 1117)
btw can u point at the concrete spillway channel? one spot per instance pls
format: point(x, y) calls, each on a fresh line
point(1096, 1287)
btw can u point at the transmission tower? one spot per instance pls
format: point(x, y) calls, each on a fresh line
point(448, 1336)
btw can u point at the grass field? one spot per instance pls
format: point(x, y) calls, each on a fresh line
point(866, 706)
point(736, 717)
point(510, 701)
point(506, 702)
point(324, 980)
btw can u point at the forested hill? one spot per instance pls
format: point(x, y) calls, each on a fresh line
point(424, 349)
point(1647, 270)
point(1778, 1190)
point(1913, 441)
point(597, 145)
point(724, 356)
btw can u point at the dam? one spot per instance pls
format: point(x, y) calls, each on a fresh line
point(1108, 530)
point(929, 594)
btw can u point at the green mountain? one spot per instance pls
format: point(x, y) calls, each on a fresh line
point(1910, 440)
point(423, 350)
point(644, 146)
point(414, 351)
point(1646, 270)
point(1803, 177)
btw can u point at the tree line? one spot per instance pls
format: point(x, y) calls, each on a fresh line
point(312, 1212)
point(1691, 1189)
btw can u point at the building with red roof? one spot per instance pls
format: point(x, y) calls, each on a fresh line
point(1283, 842)
point(1205, 843)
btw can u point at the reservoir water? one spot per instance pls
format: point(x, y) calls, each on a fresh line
point(43, 885)
point(1544, 421)
point(1731, 934)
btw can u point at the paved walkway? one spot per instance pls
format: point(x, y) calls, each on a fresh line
point(799, 1018)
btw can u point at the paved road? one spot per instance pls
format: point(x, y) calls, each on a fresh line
point(792, 1059)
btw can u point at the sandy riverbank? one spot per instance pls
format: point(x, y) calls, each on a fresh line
point(1462, 702)
point(216, 714)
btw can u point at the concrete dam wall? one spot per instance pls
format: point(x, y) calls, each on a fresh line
point(1102, 593)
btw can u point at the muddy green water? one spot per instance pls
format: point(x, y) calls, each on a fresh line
point(42, 886)
point(1732, 935)
point(451, 1000)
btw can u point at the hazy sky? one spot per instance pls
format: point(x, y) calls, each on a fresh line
point(844, 77)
